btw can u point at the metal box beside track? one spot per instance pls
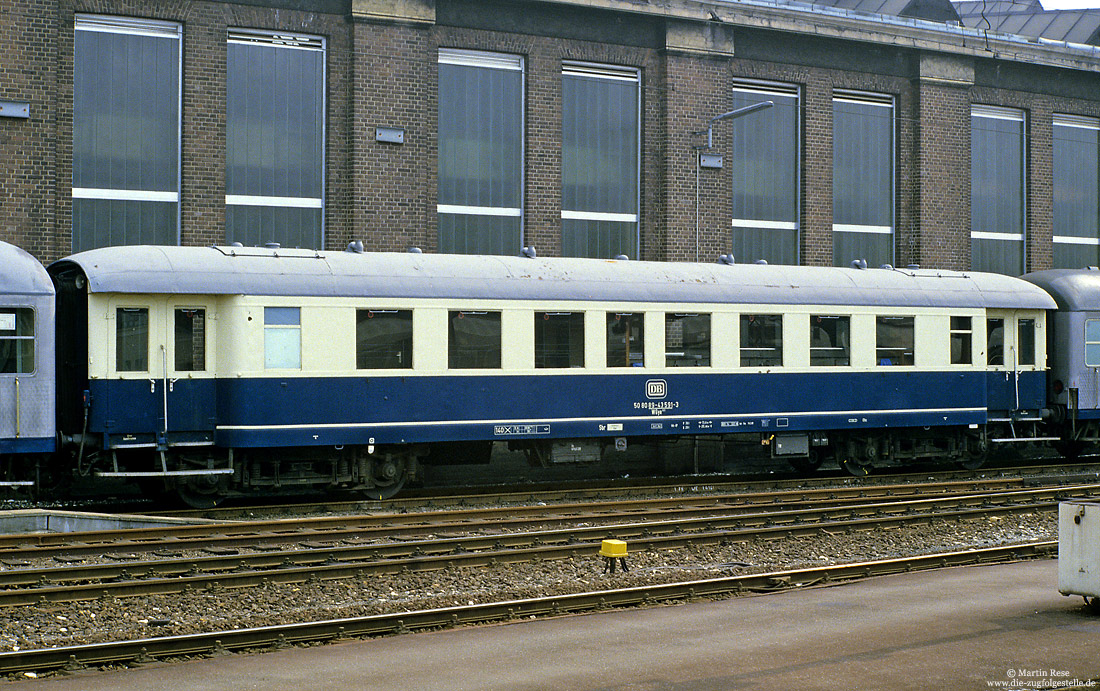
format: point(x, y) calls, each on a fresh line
point(1079, 548)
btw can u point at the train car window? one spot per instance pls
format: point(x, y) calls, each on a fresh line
point(1092, 342)
point(559, 339)
point(687, 340)
point(625, 339)
point(473, 340)
point(383, 339)
point(962, 338)
point(132, 339)
point(829, 345)
point(995, 341)
point(1025, 341)
point(282, 338)
point(16, 340)
point(894, 340)
point(190, 335)
point(761, 340)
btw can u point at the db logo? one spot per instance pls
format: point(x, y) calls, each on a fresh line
point(656, 388)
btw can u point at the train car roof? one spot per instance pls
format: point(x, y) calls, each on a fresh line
point(1076, 290)
point(22, 274)
point(289, 272)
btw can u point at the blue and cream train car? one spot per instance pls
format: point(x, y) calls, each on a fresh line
point(225, 369)
point(27, 427)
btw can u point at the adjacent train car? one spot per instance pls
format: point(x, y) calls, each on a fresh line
point(1074, 342)
point(229, 369)
point(27, 426)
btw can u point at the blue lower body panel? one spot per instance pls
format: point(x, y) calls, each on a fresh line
point(24, 445)
point(387, 410)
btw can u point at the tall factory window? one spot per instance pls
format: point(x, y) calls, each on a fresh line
point(126, 132)
point(863, 178)
point(275, 134)
point(997, 198)
point(765, 165)
point(599, 160)
point(480, 205)
point(1076, 192)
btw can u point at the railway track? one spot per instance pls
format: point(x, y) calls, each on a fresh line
point(489, 540)
point(428, 500)
point(387, 526)
point(138, 651)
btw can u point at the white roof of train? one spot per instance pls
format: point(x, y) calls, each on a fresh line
point(264, 271)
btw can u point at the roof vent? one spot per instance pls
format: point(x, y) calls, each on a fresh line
point(415, 250)
point(761, 262)
point(236, 244)
point(355, 246)
point(888, 267)
point(913, 267)
point(859, 263)
point(272, 245)
point(726, 259)
point(528, 252)
point(622, 258)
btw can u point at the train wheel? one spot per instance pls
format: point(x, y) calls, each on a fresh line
point(389, 475)
point(202, 492)
point(856, 466)
point(808, 464)
point(1070, 449)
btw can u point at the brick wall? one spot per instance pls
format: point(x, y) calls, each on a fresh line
point(28, 72)
point(385, 74)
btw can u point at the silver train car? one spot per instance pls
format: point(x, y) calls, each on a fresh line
point(28, 429)
point(1074, 345)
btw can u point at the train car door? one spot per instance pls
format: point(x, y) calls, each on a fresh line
point(186, 373)
point(1012, 350)
point(26, 387)
point(162, 391)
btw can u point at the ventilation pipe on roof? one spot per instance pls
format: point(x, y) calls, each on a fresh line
point(528, 252)
point(761, 262)
point(622, 258)
point(726, 259)
point(913, 267)
point(859, 263)
point(415, 250)
point(272, 245)
point(887, 267)
point(355, 246)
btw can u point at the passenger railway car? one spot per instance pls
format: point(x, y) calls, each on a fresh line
point(219, 370)
point(1074, 343)
point(27, 425)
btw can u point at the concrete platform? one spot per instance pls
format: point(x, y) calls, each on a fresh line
point(985, 627)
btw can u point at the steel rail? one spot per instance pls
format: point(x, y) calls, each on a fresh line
point(34, 585)
point(604, 489)
point(286, 530)
point(142, 650)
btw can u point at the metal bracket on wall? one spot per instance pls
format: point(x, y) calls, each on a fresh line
point(13, 109)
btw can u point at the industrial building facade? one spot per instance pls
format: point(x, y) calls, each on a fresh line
point(896, 132)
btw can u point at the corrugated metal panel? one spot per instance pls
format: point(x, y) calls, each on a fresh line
point(258, 271)
point(22, 274)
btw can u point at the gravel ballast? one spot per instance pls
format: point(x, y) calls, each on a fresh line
point(111, 619)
